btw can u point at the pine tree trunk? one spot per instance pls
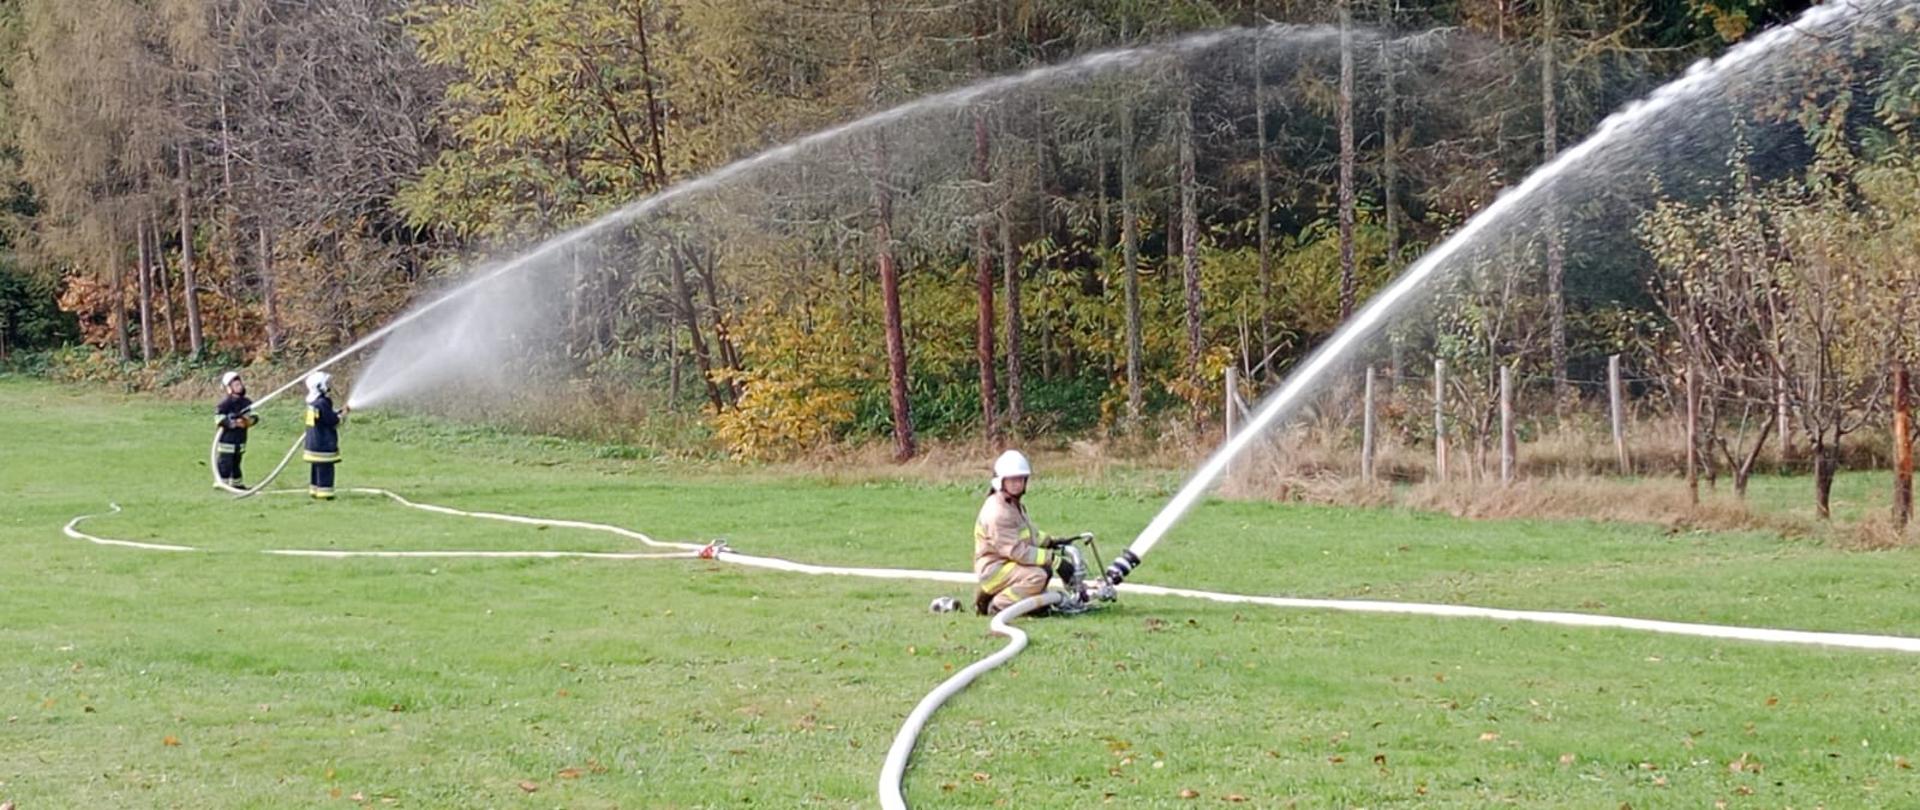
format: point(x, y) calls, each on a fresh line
point(1348, 278)
point(1190, 259)
point(270, 294)
point(1390, 172)
point(1390, 141)
point(146, 295)
point(165, 279)
point(1130, 248)
point(1266, 208)
point(189, 283)
point(903, 445)
point(1016, 383)
point(117, 315)
point(983, 279)
point(1556, 251)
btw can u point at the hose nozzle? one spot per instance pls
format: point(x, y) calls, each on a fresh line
point(1121, 566)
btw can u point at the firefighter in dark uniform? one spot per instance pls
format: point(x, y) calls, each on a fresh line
point(323, 434)
point(234, 415)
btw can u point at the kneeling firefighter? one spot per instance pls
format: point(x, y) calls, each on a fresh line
point(234, 415)
point(323, 434)
point(1010, 557)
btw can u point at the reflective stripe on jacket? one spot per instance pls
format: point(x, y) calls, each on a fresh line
point(323, 432)
point(1003, 541)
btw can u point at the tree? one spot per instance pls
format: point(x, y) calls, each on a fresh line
point(1347, 158)
point(1556, 251)
point(1190, 258)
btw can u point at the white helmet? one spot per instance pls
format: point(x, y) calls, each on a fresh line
point(1011, 464)
point(228, 378)
point(318, 383)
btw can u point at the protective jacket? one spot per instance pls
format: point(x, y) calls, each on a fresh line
point(234, 415)
point(1007, 555)
point(323, 431)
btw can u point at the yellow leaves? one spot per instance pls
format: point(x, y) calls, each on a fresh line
point(796, 394)
point(1489, 736)
point(170, 741)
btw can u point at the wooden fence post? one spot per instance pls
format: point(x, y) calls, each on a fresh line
point(1616, 397)
point(1509, 444)
point(1902, 447)
point(1366, 431)
point(1440, 419)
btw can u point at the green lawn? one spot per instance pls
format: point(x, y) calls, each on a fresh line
point(235, 679)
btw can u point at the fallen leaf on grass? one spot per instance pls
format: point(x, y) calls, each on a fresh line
point(948, 787)
point(1566, 759)
point(1236, 798)
point(529, 787)
point(1743, 790)
point(358, 797)
point(1489, 736)
point(981, 777)
point(1902, 763)
point(1189, 793)
point(1380, 760)
point(170, 741)
point(569, 773)
point(1336, 759)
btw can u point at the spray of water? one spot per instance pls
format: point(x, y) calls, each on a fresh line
point(468, 337)
point(1618, 150)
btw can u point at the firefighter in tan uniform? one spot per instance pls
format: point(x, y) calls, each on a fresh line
point(1011, 558)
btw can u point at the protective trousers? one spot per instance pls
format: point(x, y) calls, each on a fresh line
point(320, 484)
point(227, 464)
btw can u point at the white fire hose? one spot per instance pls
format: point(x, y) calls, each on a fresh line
point(903, 742)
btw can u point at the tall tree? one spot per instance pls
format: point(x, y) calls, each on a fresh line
point(1266, 201)
point(1190, 256)
point(1010, 268)
point(189, 283)
point(903, 444)
point(1556, 251)
point(1130, 248)
point(983, 275)
point(1348, 276)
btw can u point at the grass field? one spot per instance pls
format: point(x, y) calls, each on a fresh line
point(234, 679)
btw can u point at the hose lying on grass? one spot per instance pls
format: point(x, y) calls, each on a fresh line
point(903, 742)
point(895, 766)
